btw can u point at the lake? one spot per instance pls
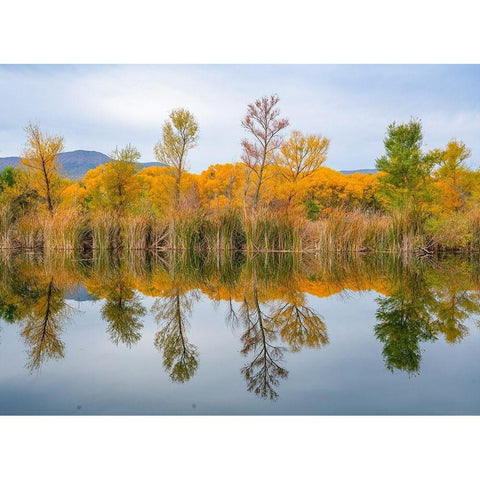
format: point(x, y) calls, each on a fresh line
point(182, 333)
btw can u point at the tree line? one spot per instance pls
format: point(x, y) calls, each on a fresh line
point(279, 190)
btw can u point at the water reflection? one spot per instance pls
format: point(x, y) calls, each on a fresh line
point(404, 318)
point(266, 299)
point(180, 357)
point(259, 342)
point(34, 297)
point(426, 300)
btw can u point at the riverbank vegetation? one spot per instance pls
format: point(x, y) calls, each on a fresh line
point(280, 195)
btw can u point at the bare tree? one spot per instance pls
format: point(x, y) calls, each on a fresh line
point(263, 122)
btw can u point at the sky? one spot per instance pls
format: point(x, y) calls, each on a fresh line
point(99, 107)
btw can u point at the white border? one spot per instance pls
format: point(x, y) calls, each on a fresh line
point(411, 31)
point(249, 31)
point(239, 447)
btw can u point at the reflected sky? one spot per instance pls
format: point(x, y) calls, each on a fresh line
point(240, 335)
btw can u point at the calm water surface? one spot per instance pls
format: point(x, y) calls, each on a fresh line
point(256, 334)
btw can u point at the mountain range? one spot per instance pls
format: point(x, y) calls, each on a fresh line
point(360, 170)
point(77, 163)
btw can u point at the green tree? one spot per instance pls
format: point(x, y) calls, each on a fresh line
point(406, 184)
point(8, 178)
point(179, 136)
point(17, 195)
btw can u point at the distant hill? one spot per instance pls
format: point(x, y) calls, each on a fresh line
point(360, 170)
point(75, 164)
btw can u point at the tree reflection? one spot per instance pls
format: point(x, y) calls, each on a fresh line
point(428, 299)
point(405, 321)
point(180, 357)
point(264, 372)
point(299, 325)
point(44, 323)
point(111, 279)
point(452, 310)
point(266, 298)
point(455, 299)
point(267, 323)
point(123, 310)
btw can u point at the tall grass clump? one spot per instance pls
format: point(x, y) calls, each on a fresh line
point(105, 230)
point(192, 231)
point(144, 231)
point(135, 231)
point(407, 228)
point(265, 231)
point(201, 230)
point(229, 230)
point(28, 233)
point(344, 230)
point(62, 230)
point(7, 227)
point(474, 216)
point(459, 231)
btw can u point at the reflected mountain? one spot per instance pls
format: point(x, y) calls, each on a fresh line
point(79, 294)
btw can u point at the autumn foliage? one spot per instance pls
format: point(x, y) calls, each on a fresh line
point(280, 195)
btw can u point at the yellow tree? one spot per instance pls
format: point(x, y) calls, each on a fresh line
point(119, 180)
point(179, 135)
point(300, 156)
point(159, 185)
point(451, 173)
point(221, 185)
point(41, 162)
point(452, 161)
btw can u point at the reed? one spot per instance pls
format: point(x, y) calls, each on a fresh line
point(352, 231)
point(7, 226)
point(62, 230)
point(105, 231)
point(265, 231)
point(135, 232)
point(229, 230)
point(199, 230)
point(193, 231)
point(27, 233)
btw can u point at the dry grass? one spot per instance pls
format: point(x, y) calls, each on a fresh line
point(455, 232)
point(63, 230)
point(351, 231)
point(338, 230)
